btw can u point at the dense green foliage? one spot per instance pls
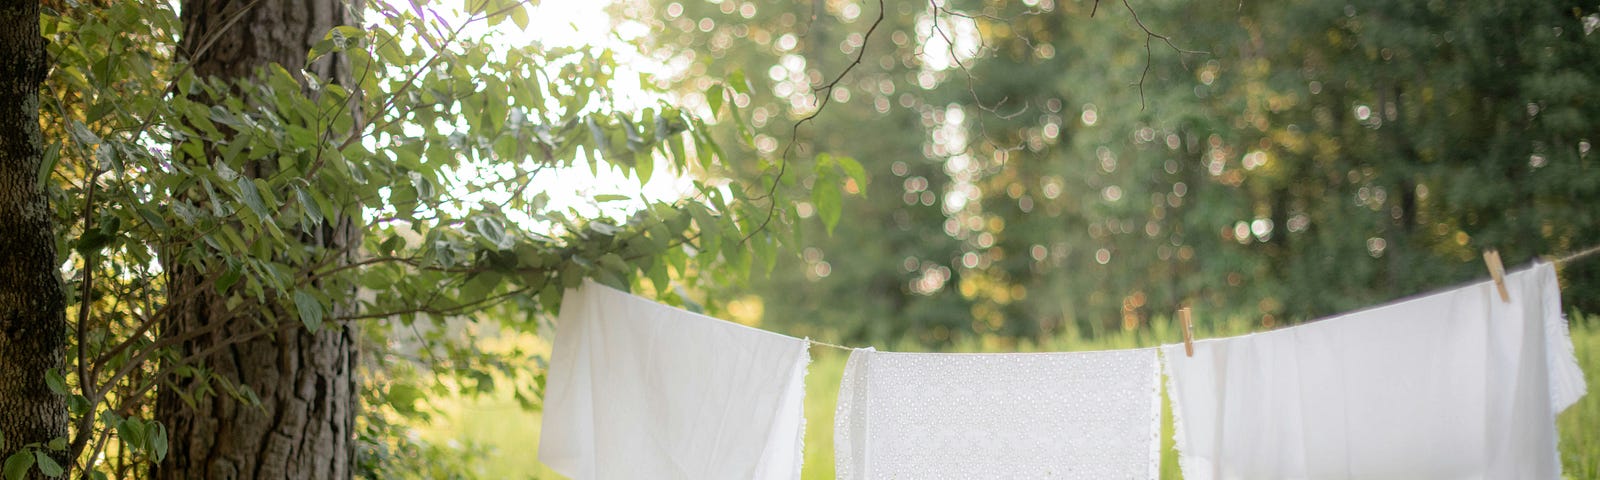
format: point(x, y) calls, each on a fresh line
point(862, 280)
point(1072, 169)
point(438, 149)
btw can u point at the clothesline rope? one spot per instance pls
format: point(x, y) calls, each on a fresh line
point(826, 344)
point(1578, 255)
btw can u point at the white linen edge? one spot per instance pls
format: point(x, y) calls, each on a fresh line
point(1191, 466)
point(845, 416)
point(1155, 414)
point(1567, 384)
point(803, 369)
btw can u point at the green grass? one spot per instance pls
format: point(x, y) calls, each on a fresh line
point(1580, 423)
point(512, 435)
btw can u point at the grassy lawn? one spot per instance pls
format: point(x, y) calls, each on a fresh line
point(1580, 424)
point(512, 435)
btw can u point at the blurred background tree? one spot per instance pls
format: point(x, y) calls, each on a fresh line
point(1040, 168)
point(882, 274)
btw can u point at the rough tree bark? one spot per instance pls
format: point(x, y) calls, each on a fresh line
point(304, 427)
point(33, 328)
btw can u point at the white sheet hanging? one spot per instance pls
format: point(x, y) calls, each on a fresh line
point(640, 390)
point(1090, 415)
point(1452, 385)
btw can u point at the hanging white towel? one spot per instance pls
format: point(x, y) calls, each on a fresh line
point(639, 390)
point(1452, 385)
point(1091, 415)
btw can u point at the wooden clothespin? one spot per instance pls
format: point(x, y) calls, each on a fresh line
point(1497, 271)
point(1188, 333)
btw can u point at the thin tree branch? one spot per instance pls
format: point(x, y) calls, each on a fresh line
point(826, 94)
point(1148, 54)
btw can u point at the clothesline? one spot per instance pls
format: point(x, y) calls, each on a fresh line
point(1578, 255)
point(826, 344)
point(1374, 393)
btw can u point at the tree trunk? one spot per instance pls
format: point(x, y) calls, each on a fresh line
point(33, 328)
point(304, 425)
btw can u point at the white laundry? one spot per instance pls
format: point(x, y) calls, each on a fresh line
point(1090, 415)
point(1451, 385)
point(640, 390)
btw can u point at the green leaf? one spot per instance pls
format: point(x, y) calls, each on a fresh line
point(99, 111)
point(228, 278)
point(106, 155)
point(519, 16)
point(825, 195)
point(659, 277)
point(252, 197)
point(610, 197)
point(52, 154)
point(706, 147)
point(631, 131)
point(157, 439)
point(480, 286)
point(644, 166)
point(81, 133)
point(738, 117)
point(76, 404)
point(132, 431)
point(318, 49)
point(604, 228)
point(17, 464)
point(55, 381)
point(310, 310)
point(249, 395)
point(390, 244)
point(610, 279)
point(739, 83)
point(57, 444)
point(764, 249)
point(853, 169)
point(675, 142)
point(539, 202)
point(404, 397)
point(423, 185)
point(714, 98)
point(710, 228)
point(47, 465)
point(310, 205)
point(599, 137)
point(153, 218)
point(491, 229)
point(614, 262)
point(342, 34)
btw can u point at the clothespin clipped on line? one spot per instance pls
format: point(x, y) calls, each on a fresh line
point(1188, 333)
point(1497, 271)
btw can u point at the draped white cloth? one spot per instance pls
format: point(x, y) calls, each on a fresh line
point(640, 390)
point(1452, 385)
point(1090, 415)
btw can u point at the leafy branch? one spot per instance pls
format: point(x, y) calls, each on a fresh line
point(825, 92)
